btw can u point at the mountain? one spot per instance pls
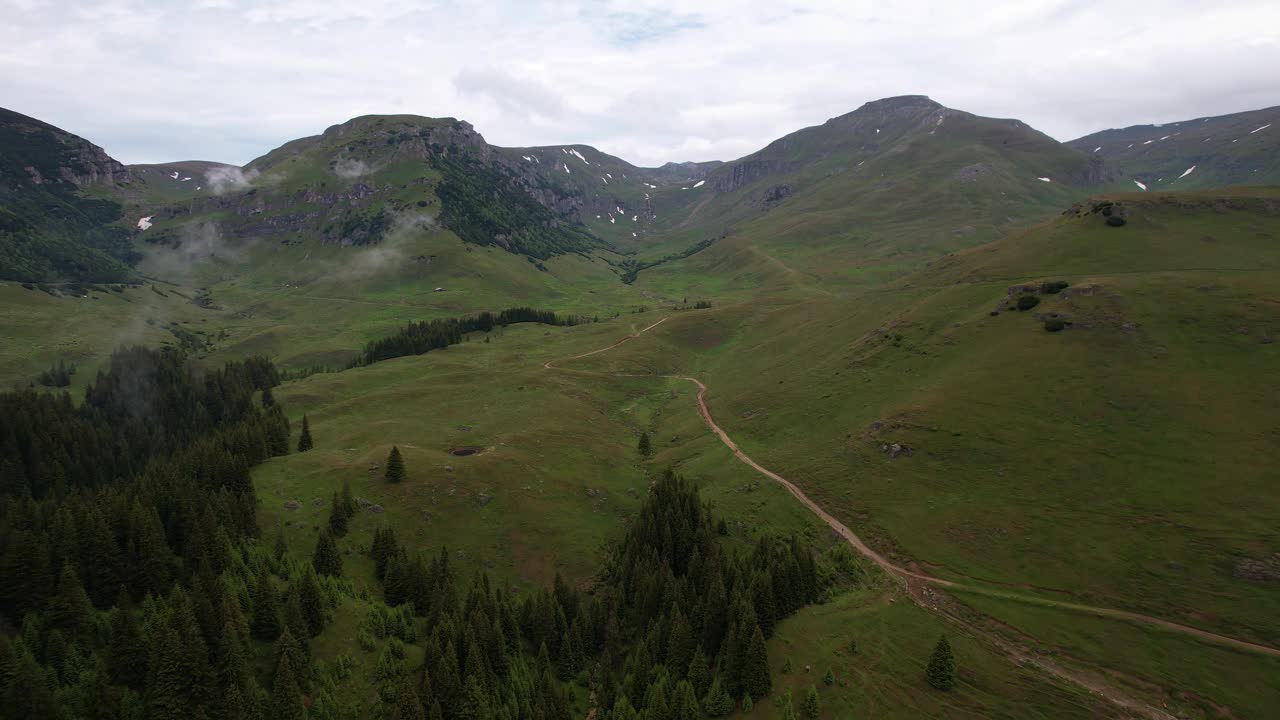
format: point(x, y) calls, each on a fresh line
point(1208, 152)
point(870, 195)
point(55, 223)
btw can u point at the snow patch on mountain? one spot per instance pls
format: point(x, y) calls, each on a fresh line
point(1044, 179)
point(700, 183)
point(1188, 172)
point(1264, 127)
point(1144, 187)
point(145, 222)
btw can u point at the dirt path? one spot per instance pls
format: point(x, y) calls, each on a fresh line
point(920, 586)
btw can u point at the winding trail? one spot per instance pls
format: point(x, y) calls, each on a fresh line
point(918, 584)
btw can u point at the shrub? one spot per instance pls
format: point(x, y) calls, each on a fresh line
point(1055, 287)
point(1116, 221)
point(1055, 324)
point(1026, 302)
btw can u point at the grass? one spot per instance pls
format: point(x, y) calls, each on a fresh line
point(886, 677)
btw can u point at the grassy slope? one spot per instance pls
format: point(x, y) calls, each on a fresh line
point(1123, 463)
point(1225, 150)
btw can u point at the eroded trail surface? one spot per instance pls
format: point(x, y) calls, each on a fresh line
point(919, 586)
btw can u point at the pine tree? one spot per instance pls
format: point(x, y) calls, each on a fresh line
point(812, 706)
point(941, 671)
point(699, 673)
point(788, 710)
point(684, 704)
point(348, 502)
point(69, 608)
point(294, 621)
point(312, 602)
point(644, 446)
point(717, 702)
point(395, 466)
point(829, 678)
point(304, 441)
point(267, 398)
point(326, 559)
point(127, 651)
point(265, 624)
point(747, 704)
point(755, 667)
point(286, 695)
point(337, 517)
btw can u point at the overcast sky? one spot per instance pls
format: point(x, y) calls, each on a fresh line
point(647, 80)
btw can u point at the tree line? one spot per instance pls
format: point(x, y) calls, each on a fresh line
point(417, 338)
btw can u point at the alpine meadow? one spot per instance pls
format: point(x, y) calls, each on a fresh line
point(910, 413)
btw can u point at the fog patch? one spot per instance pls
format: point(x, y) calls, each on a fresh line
point(351, 169)
point(198, 242)
point(229, 179)
point(391, 252)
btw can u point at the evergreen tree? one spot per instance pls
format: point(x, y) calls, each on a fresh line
point(684, 704)
point(747, 704)
point(755, 666)
point(644, 446)
point(829, 678)
point(941, 671)
point(326, 559)
point(286, 695)
point(265, 624)
point(280, 548)
point(788, 709)
point(69, 608)
point(127, 650)
point(348, 502)
point(312, 602)
point(337, 517)
point(717, 702)
point(395, 466)
point(294, 621)
point(304, 441)
point(812, 706)
point(699, 673)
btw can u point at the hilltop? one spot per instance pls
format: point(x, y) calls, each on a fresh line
point(1207, 152)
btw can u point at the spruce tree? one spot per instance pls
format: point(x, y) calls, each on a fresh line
point(326, 559)
point(127, 651)
point(829, 678)
point(788, 710)
point(304, 441)
point(348, 502)
point(280, 547)
point(699, 673)
point(941, 671)
point(684, 704)
point(337, 517)
point(812, 706)
point(644, 446)
point(755, 666)
point(395, 466)
point(312, 602)
point(286, 695)
point(265, 624)
point(69, 608)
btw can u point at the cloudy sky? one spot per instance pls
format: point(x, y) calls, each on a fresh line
point(648, 80)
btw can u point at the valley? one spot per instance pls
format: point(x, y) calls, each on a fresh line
point(1002, 393)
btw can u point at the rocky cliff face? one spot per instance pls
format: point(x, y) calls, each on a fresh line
point(41, 154)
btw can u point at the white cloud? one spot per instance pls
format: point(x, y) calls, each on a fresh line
point(648, 80)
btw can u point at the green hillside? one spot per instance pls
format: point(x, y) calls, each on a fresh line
point(869, 196)
point(50, 230)
point(1237, 149)
point(1040, 403)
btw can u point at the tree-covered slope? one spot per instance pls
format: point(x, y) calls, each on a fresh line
point(50, 230)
